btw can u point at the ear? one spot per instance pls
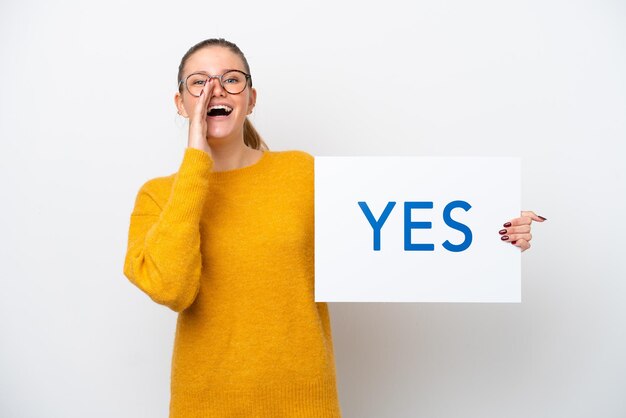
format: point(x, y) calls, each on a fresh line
point(251, 100)
point(178, 100)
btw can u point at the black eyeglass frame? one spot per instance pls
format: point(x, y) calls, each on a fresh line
point(219, 77)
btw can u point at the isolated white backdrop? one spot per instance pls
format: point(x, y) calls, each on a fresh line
point(541, 80)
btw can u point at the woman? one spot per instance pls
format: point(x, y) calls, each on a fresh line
point(227, 242)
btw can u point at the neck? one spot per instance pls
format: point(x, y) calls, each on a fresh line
point(230, 155)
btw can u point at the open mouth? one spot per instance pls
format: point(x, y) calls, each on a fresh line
point(219, 110)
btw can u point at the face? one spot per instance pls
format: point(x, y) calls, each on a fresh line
point(215, 61)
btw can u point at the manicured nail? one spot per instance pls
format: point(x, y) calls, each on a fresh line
point(506, 225)
point(504, 237)
point(502, 231)
point(513, 242)
point(542, 217)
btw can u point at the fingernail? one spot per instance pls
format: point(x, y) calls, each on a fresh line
point(513, 242)
point(506, 225)
point(542, 217)
point(502, 231)
point(504, 237)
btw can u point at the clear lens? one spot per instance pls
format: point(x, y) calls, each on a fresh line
point(195, 83)
point(234, 82)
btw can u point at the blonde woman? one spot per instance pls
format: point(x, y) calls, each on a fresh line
point(228, 243)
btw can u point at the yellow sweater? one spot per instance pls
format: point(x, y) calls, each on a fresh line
point(233, 253)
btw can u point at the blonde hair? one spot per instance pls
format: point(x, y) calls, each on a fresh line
point(251, 136)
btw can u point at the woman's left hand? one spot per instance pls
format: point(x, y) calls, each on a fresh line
point(517, 231)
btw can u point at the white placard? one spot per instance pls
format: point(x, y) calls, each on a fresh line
point(419, 255)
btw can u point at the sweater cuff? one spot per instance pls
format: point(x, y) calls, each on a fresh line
point(190, 187)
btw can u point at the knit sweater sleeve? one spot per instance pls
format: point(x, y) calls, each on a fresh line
point(163, 255)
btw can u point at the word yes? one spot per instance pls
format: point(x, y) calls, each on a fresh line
point(409, 225)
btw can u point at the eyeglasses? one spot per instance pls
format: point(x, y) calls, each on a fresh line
point(233, 81)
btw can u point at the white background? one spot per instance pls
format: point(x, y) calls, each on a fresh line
point(541, 80)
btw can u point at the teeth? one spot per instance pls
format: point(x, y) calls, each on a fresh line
point(221, 107)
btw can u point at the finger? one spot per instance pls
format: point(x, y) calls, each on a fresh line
point(524, 220)
point(533, 216)
point(515, 230)
point(203, 101)
point(205, 97)
point(522, 243)
point(516, 237)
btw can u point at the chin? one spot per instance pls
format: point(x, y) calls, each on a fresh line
point(220, 138)
point(223, 135)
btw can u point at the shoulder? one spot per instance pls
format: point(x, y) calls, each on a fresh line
point(292, 167)
point(295, 155)
point(294, 158)
point(157, 188)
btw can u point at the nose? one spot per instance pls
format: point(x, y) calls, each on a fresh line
point(218, 90)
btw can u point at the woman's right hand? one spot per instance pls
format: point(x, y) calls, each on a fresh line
point(198, 124)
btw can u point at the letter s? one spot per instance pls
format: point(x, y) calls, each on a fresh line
point(457, 225)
